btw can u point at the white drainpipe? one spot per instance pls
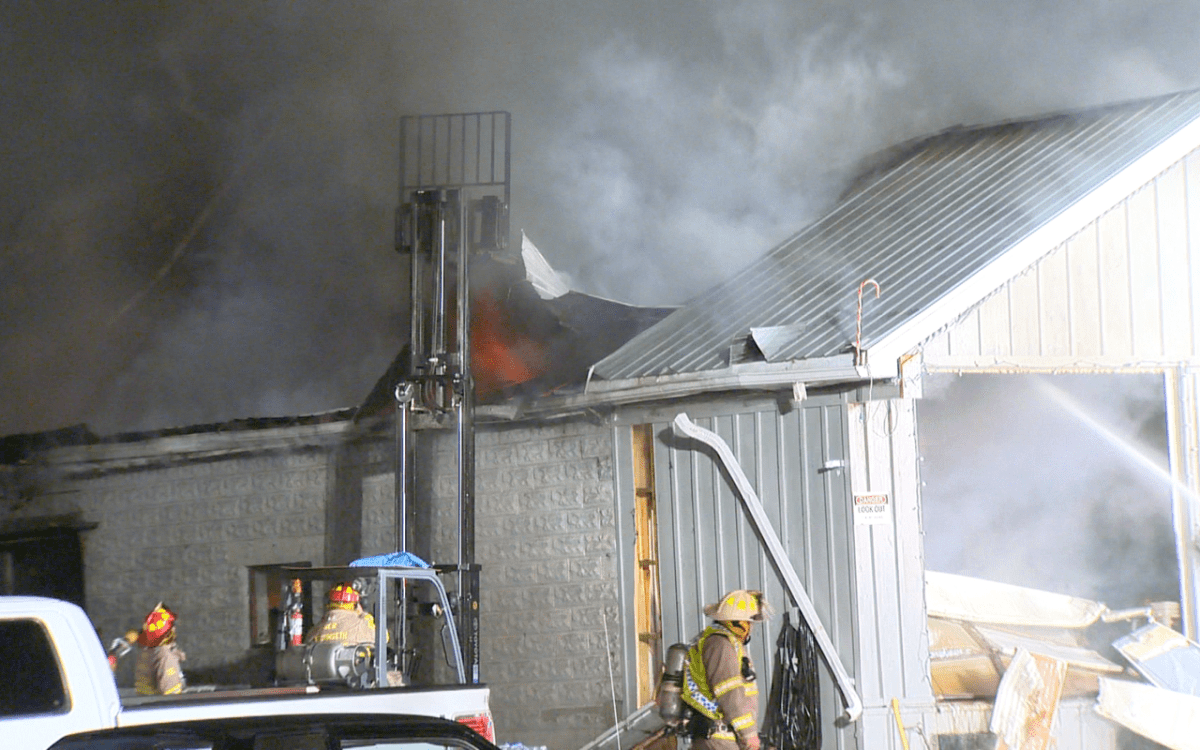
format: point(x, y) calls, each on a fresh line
point(783, 563)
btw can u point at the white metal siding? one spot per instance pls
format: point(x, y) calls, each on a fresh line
point(1183, 435)
point(1121, 294)
point(893, 652)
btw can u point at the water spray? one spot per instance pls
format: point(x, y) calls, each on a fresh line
point(1127, 448)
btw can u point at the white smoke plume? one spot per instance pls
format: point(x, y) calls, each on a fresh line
point(1019, 489)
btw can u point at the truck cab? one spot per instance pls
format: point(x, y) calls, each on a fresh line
point(54, 676)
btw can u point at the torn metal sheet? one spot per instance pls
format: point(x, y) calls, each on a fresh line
point(548, 283)
point(1164, 657)
point(1027, 702)
point(956, 597)
point(773, 340)
point(1167, 717)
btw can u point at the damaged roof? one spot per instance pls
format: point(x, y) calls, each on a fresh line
point(930, 216)
point(525, 345)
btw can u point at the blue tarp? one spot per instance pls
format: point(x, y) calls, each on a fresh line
point(391, 560)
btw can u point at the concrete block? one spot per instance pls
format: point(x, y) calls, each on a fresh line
point(593, 568)
point(541, 571)
point(582, 594)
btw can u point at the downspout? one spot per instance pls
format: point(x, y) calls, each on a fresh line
point(684, 426)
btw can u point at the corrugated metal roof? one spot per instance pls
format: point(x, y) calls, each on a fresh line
point(930, 216)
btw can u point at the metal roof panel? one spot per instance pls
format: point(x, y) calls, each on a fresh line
point(931, 215)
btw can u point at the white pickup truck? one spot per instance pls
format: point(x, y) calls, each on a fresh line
point(55, 680)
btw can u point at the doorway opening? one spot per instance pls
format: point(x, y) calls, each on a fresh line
point(1058, 483)
point(42, 562)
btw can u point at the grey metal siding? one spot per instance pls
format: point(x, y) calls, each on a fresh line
point(707, 543)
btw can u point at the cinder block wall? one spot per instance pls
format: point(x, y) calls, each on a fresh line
point(546, 536)
point(545, 531)
point(546, 540)
point(185, 535)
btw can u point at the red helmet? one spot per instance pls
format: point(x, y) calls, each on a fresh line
point(343, 595)
point(159, 624)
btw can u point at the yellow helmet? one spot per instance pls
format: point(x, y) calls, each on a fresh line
point(739, 605)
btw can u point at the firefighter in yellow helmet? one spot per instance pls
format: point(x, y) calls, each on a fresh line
point(159, 669)
point(719, 682)
point(344, 620)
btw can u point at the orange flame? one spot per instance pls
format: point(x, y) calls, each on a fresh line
point(501, 356)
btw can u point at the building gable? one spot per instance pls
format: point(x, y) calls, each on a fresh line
point(1119, 294)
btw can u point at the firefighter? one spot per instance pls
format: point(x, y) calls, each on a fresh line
point(719, 681)
point(159, 669)
point(344, 620)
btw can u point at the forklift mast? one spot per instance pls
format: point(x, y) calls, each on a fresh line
point(454, 198)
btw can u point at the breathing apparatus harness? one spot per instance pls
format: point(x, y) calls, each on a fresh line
point(697, 715)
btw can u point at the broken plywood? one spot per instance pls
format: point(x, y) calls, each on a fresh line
point(1027, 702)
point(976, 628)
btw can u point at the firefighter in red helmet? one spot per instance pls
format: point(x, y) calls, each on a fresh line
point(159, 669)
point(344, 620)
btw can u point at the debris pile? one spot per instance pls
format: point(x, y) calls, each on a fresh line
point(1025, 650)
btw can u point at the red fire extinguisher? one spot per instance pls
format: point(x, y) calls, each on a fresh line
point(295, 615)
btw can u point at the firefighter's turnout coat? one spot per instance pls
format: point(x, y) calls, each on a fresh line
point(720, 685)
point(348, 626)
point(159, 670)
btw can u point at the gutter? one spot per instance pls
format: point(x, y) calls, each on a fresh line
point(783, 564)
point(751, 376)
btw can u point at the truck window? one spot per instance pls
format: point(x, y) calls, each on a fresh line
point(267, 601)
point(30, 680)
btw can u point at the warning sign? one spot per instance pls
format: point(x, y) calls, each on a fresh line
point(871, 509)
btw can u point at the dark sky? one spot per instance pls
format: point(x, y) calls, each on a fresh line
point(197, 202)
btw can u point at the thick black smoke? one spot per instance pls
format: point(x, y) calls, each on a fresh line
point(197, 197)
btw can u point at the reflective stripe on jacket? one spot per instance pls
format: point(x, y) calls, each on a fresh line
point(715, 686)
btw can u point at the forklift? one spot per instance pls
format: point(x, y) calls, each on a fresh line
point(453, 212)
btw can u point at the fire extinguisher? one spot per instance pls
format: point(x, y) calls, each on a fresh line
point(295, 615)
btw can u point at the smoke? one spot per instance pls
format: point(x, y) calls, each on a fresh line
point(197, 212)
point(1018, 489)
